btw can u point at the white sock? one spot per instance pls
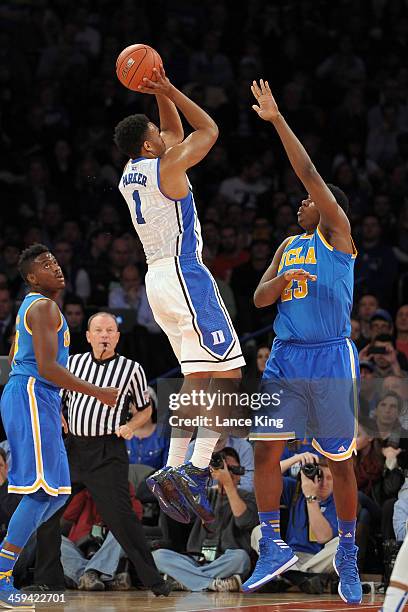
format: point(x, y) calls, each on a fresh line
point(179, 441)
point(204, 447)
point(395, 599)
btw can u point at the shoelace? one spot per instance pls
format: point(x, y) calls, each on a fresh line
point(6, 576)
point(349, 566)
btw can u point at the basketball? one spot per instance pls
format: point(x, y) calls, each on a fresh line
point(136, 62)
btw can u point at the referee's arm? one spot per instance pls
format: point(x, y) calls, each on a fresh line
point(140, 399)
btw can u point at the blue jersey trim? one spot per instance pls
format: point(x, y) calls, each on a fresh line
point(138, 159)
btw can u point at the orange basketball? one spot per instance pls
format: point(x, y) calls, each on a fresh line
point(136, 62)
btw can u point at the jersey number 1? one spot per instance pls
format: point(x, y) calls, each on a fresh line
point(139, 217)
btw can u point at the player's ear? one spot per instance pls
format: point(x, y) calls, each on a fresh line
point(88, 337)
point(31, 278)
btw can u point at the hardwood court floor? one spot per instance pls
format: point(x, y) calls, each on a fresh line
point(138, 601)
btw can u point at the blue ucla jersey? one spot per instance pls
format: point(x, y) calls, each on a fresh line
point(315, 311)
point(24, 362)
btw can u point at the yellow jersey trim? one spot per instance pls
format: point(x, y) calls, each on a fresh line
point(323, 239)
point(25, 314)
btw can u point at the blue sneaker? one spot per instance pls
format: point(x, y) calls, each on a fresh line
point(274, 559)
point(345, 565)
point(170, 500)
point(192, 483)
point(10, 597)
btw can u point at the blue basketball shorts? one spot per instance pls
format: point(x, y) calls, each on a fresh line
point(310, 390)
point(31, 414)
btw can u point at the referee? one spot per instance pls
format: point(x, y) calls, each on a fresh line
point(98, 457)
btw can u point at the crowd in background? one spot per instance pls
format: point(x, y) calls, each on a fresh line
point(339, 74)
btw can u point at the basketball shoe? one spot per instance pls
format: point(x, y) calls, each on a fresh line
point(345, 565)
point(192, 482)
point(10, 597)
point(274, 558)
point(170, 500)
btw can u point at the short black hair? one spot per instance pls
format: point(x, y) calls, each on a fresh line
point(104, 314)
point(228, 451)
point(385, 338)
point(28, 256)
point(340, 197)
point(130, 133)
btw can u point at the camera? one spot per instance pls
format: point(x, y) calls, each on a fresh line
point(376, 350)
point(311, 470)
point(217, 462)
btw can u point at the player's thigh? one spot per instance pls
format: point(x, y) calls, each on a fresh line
point(334, 400)
point(280, 408)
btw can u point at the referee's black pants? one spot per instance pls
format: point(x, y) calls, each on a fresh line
point(101, 465)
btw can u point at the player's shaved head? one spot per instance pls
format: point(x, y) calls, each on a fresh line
point(28, 256)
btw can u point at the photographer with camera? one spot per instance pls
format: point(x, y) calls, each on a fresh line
point(218, 556)
point(312, 526)
point(383, 353)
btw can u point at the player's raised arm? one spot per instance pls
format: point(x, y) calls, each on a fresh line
point(271, 285)
point(44, 318)
point(196, 146)
point(171, 128)
point(332, 216)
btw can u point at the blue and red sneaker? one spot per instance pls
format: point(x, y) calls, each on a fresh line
point(170, 500)
point(192, 483)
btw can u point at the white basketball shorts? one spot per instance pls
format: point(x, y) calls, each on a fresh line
point(187, 305)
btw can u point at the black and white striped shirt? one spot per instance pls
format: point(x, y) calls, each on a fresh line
point(87, 416)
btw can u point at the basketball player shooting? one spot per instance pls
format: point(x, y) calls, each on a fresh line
point(181, 291)
point(313, 361)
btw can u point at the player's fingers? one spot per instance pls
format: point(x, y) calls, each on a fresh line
point(254, 92)
point(256, 88)
point(268, 89)
point(262, 84)
point(256, 108)
point(162, 71)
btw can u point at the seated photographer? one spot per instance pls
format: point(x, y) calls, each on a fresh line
point(245, 453)
point(90, 555)
point(312, 526)
point(218, 557)
point(387, 360)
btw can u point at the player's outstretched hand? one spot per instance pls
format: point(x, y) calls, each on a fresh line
point(108, 395)
point(299, 274)
point(161, 86)
point(266, 108)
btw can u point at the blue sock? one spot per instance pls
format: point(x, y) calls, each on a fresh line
point(347, 533)
point(270, 524)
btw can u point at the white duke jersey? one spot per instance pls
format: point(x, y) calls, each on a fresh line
point(166, 227)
